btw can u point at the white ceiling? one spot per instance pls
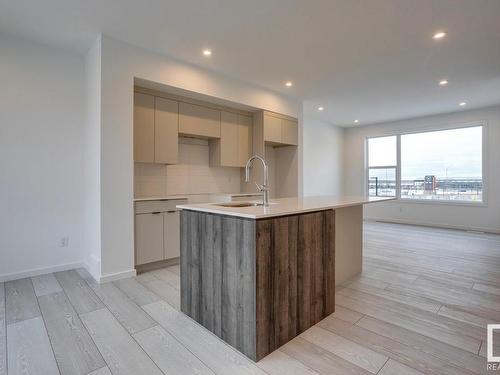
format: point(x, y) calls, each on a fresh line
point(372, 60)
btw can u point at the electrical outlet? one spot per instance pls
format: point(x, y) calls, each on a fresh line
point(400, 209)
point(64, 242)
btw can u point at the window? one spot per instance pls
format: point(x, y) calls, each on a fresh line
point(443, 165)
point(382, 166)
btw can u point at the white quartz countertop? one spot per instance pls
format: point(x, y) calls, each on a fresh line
point(285, 206)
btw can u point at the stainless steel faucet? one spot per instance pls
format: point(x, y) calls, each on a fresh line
point(265, 186)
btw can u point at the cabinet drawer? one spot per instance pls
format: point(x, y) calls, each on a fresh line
point(199, 121)
point(143, 207)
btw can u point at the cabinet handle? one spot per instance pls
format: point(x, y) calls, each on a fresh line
point(172, 211)
point(156, 212)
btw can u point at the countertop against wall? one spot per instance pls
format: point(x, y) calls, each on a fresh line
point(161, 198)
point(196, 197)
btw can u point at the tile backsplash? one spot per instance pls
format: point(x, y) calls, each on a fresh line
point(192, 174)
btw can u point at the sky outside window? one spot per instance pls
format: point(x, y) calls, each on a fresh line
point(455, 153)
point(382, 151)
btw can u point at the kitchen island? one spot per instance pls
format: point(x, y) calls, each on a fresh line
point(258, 276)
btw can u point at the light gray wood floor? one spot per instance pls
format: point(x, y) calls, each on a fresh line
point(420, 306)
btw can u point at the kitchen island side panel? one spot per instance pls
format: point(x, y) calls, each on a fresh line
point(218, 276)
point(295, 276)
point(257, 283)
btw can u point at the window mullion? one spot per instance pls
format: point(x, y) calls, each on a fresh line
point(398, 166)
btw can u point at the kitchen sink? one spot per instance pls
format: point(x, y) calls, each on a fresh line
point(239, 204)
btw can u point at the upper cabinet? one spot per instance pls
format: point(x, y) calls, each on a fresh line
point(159, 121)
point(245, 127)
point(280, 131)
point(155, 129)
point(272, 129)
point(166, 130)
point(144, 128)
point(227, 146)
point(275, 137)
point(196, 120)
point(289, 132)
point(235, 144)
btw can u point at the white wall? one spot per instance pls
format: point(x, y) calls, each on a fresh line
point(41, 121)
point(323, 158)
point(465, 217)
point(92, 161)
point(120, 64)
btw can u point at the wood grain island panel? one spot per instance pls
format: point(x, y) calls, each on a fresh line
point(257, 284)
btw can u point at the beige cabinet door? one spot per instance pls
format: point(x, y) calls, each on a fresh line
point(144, 128)
point(171, 232)
point(289, 132)
point(148, 238)
point(272, 129)
point(244, 139)
point(166, 131)
point(229, 140)
point(199, 121)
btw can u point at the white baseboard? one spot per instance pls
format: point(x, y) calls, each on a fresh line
point(69, 266)
point(434, 225)
point(40, 271)
point(116, 276)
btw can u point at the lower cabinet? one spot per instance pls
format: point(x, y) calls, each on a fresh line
point(171, 234)
point(149, 238)
point(157, 236)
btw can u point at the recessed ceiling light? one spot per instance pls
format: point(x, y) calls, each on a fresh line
point(439, 35)
point(320, 108)
point(443, 82)
point(356, 121)
point(288, 84)
point(462, 104)
point(207, 52)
